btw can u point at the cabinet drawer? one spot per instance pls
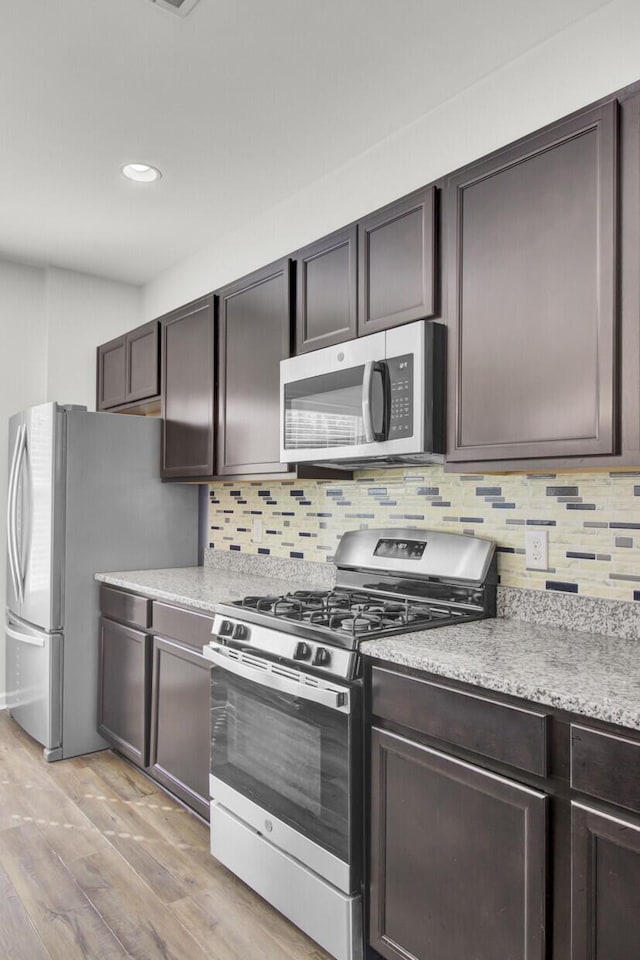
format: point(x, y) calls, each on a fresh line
point(183, 625)
point(605, 766)
point(126, 607)
point(508, 734)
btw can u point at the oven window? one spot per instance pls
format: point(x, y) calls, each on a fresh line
point(288, 755)
point(324, 411)
point(295, 770)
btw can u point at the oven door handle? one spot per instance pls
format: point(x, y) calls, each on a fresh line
point(334, 699)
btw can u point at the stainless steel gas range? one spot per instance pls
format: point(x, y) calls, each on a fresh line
point(286, 735)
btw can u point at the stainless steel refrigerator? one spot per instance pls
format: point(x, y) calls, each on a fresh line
point(84, 496)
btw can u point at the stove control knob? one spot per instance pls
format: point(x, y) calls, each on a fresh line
point(240, 632)
point(302, 651)
point(322, 657)
point(226, 628)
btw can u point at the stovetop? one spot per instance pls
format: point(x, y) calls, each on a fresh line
point(387, 582)
point(349, 613)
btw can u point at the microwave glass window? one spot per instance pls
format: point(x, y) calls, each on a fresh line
point(324, 411)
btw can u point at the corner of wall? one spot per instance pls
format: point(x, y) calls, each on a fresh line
point(83, 311)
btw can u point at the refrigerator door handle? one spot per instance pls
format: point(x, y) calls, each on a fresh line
point(21, 451)
point(23, 637)
point(11, 526)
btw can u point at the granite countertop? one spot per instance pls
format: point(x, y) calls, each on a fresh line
point(225, 576)
point(197, 587)
point(591, 674)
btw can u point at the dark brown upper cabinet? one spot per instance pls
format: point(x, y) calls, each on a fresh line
point(531, 265)
point(188, 388)
point(327, 281)
point(629, 271)
point(128, 367)
point(396, 263)
point(143, 366)
point(111, 378)
point(255, 335)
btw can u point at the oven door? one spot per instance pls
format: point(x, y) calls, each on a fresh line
point(285, 750)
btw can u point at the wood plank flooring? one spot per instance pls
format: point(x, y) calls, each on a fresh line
point(97, 863)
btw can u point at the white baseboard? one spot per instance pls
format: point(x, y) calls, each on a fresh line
point(3, 701)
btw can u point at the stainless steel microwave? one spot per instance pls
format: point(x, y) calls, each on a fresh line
point(375, 401)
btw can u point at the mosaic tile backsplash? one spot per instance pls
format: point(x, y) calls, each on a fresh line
point(592, 520)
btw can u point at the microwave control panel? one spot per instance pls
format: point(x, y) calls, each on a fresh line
point(400, 371)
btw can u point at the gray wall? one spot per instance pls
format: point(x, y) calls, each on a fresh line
point(51, 321)
point(590, 59)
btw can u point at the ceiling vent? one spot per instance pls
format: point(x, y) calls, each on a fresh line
point(180, 7)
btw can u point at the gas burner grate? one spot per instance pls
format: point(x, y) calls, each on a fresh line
point(354, 613)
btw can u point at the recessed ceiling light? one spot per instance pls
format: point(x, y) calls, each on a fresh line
point(141, 172)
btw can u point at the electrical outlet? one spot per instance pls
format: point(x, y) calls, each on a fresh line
point(257, 530)
point(536, 549)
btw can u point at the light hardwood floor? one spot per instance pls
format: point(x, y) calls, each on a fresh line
point(97, 862)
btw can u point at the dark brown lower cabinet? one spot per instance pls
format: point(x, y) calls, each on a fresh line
point(155, 689)
point(605, 885)
point(180, 708)
point(477, 854)
point(458, 858)
point(124, 689)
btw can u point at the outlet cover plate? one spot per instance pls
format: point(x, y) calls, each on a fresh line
point(536, 548)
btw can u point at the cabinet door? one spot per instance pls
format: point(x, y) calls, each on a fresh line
point(458, 858)
point(180, 711)
point(255, 335)
point(142, 362)
point(396, 263)
point(605, 885)
point(531, 245)
point(188, 391)
point(111, 374)
point(124, 689)
point(326, 277)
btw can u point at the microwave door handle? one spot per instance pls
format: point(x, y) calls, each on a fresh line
point(367, 412)
point(383, 369)
point(371, 434)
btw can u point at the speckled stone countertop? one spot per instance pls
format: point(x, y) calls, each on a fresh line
point(539, 656)
point(203, 587)
point(595, 675)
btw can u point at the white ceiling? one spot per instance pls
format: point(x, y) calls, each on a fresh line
point(240, 104)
